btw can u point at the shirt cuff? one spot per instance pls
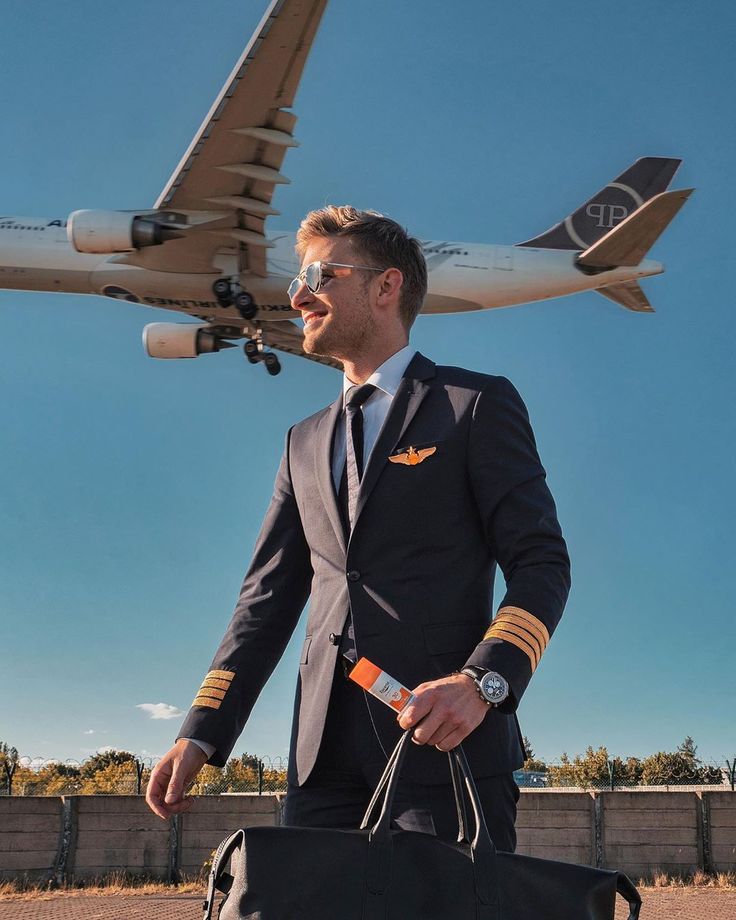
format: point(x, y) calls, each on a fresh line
point(208, 748)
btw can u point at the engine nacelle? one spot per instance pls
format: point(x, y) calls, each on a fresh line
point(180, 340)
point(115, 231)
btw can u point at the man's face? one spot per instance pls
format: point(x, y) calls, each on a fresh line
point(338, 319)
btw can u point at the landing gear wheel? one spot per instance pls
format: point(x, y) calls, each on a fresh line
point(273, 365)
point(252, 352)
point(245, 305)
point(223, 292)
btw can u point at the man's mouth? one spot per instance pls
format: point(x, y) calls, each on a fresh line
point(309, 318)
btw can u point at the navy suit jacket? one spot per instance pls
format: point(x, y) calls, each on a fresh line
point(416, 571)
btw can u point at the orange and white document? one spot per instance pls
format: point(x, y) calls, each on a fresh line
point(381, 685)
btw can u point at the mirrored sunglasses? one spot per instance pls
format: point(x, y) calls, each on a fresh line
point(314, 277)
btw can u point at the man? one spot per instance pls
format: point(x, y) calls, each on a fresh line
point(391, 509)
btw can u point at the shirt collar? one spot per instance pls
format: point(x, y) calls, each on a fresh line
point(388, 376)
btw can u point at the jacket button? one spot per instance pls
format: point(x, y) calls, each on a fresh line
point(353, 575)
point(334, 639)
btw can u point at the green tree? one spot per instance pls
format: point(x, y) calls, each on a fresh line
point(9, 762)
point(532, 763)
point(682, 767)
point(595, 770)
point(113, 779)
point(209, 781)
point(53, 779)
point(104, 759)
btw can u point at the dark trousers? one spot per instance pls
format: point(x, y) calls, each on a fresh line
point(349, 765)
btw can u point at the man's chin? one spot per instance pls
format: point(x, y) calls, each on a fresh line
point(317, 345)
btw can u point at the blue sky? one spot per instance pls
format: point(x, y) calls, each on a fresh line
point(132, 490)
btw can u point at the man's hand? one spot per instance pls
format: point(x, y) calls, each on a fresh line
point(171, 777)
point(445, 711)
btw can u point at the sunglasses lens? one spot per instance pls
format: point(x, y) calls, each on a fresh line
point(294, 287)
point(313, 276)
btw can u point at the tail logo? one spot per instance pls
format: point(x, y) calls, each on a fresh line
point(606, 215)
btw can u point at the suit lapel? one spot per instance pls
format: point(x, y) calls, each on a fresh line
point(323, 466)
point(412, 390)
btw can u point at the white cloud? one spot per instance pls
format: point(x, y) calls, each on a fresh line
point(104, 750)
point(160, 710)
point(90, 731)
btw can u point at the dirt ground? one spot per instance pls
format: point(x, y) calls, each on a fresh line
point(674, 903)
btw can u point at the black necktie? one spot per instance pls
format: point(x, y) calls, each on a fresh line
point(350, 484)
point(354, 444)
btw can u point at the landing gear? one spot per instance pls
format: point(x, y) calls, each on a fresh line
point(254, 352)
point(273, 365)
point(223, 292)
point(229, 293)
point(245, 305)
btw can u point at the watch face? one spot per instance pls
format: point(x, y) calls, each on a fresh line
point(494, 687)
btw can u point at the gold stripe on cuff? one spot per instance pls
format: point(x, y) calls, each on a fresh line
point(204, 690)
point(216, 682)
point(206, 701)
point(498, 632)
point(224, 675)
point(522, 628)
point(534, 622)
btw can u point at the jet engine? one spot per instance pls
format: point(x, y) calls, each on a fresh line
point(181, 340)
point(117, 231)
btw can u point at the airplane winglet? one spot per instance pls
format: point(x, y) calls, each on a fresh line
point(629, 241)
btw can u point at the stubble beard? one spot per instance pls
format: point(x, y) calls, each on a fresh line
point(341, 338)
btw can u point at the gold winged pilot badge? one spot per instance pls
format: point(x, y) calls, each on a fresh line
point(411, 457)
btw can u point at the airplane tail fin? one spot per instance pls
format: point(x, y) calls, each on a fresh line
point(627, 294)
point(631, 240)
point(647, 177)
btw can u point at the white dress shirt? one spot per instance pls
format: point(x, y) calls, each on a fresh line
point(386, 379)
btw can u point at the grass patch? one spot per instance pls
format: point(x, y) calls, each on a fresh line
point(725, 881)
point(25, 888)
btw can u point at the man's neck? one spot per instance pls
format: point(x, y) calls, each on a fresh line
point(359, 369)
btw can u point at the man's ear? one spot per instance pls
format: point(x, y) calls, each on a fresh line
point(389, 291)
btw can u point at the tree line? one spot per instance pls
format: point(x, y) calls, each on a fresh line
point(121, 772)
point(596, 769)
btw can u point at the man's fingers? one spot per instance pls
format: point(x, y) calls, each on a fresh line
point(175, 791)
point(157, 786)
point(417, 709)
point(171, 776)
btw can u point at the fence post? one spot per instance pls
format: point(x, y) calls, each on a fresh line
point(139, 768)
point(600, 857)
point(705, 858)
point(731, 767)
point(173, 875)
point(612, 774)
point(260, 776)
point(63, 869)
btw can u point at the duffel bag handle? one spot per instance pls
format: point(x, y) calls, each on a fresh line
point(219, 878)
point(380, 846)
point(462, 817)
point(626, 888)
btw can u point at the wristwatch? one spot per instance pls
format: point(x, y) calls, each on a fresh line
point(493, 688)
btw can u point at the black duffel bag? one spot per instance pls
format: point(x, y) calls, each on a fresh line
point(304, 873)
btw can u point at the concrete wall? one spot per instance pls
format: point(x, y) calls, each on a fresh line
point(78, 837)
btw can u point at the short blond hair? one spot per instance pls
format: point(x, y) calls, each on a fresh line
point(381, 241)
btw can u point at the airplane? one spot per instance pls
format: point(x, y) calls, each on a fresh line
point(203, 249)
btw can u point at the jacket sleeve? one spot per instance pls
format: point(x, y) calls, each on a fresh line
point(520, 523)
point(273, 594)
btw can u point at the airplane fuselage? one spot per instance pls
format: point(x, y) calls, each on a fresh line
point(36, 255)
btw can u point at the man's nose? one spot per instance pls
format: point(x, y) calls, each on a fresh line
point(303, 297)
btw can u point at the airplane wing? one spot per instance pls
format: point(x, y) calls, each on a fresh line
point(232, 165)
